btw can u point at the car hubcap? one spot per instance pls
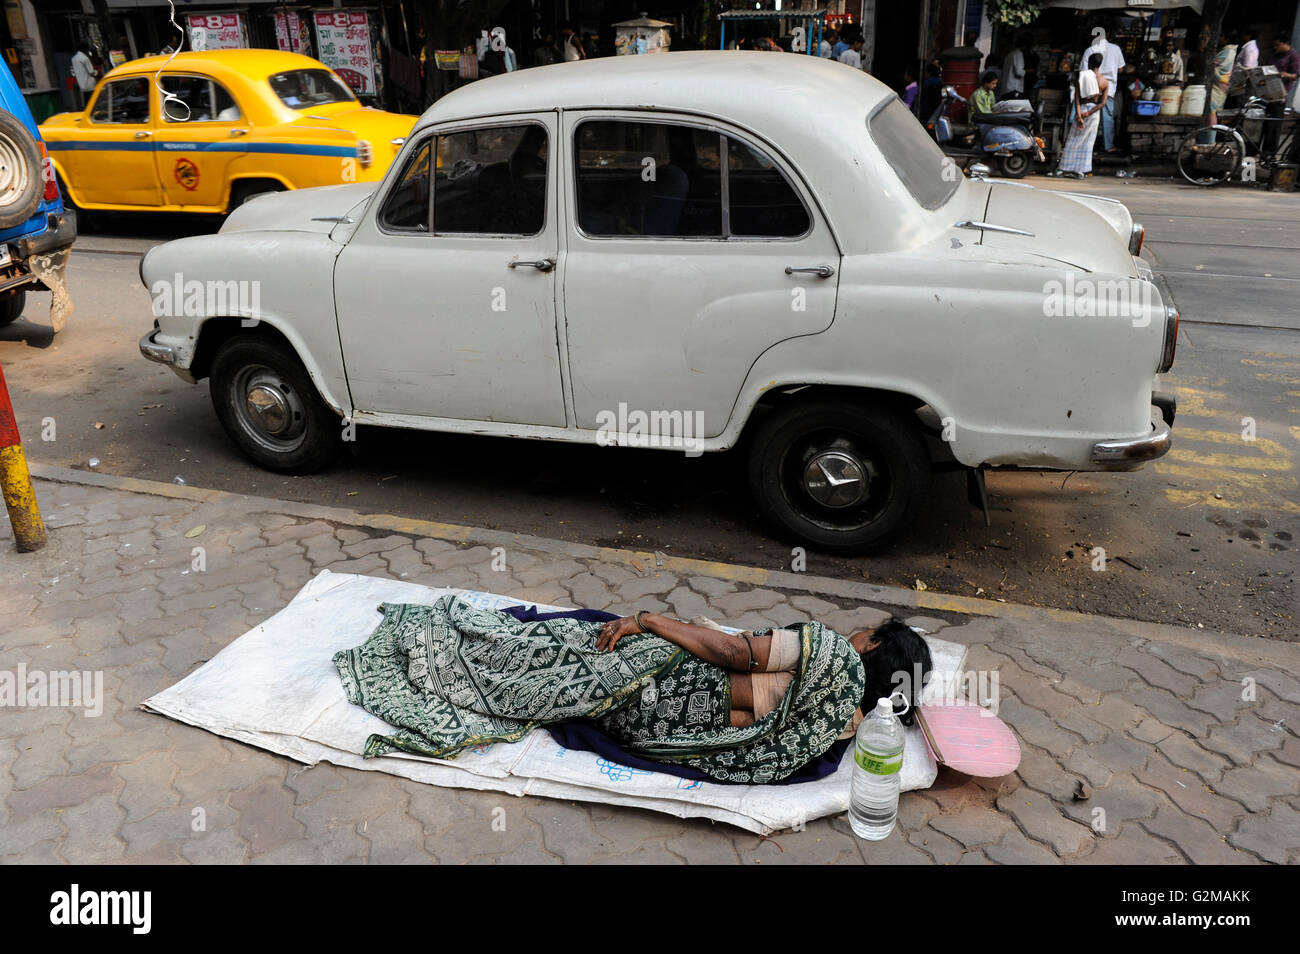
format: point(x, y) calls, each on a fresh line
point(13, 174)
point(270, 409)
point(836, 479)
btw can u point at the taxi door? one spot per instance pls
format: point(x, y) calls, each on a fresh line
point(200, 131)
point(111, 162)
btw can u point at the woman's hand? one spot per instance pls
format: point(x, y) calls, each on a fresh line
point(615, 630)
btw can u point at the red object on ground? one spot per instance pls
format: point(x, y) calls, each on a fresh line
point(8, 423)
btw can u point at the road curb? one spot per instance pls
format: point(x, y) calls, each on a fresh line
point(1262, 650)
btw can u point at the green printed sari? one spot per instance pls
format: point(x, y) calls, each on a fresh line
point(451, 675)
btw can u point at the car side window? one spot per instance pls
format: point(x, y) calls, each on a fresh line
point(407, 207)
point(204, 100)
point(491, 180)
point(648, 179)
point(761, 201)
point(122, 101)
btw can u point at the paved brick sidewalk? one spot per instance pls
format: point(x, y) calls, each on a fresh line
point(1181, 767)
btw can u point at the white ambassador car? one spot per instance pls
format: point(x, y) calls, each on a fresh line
point(684, 251)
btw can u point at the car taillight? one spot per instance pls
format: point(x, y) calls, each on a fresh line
point(365, 154)
point(1135, 238)
point(47, 173)
point(1171, 340)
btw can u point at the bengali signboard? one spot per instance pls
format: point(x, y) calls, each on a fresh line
point(291, 32)
point(216, 31)
point(343, 44)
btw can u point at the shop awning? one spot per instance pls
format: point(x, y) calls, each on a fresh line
point(1131, 7)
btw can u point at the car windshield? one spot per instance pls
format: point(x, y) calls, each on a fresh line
point(929, 175)
point(302, 89)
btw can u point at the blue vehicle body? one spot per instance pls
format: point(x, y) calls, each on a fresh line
point(37, 247)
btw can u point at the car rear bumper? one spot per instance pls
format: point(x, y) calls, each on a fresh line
point(62, 232)
point(1127, 453)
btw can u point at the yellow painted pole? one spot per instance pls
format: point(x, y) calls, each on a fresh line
point(15, 481)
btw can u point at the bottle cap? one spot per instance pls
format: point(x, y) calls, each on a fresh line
point(884, 707)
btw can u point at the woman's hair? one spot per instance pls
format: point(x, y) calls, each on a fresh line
point(893, 665)
point(1094, 61)
point(987, 77)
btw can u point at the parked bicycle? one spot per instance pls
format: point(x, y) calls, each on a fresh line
point(1217, 153)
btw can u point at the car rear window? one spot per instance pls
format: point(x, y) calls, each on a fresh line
point(303, 89)
point(928, 174)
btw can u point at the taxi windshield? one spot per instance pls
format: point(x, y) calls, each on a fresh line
point(303, 89)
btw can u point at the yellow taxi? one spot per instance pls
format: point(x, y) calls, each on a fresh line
point(202, 132)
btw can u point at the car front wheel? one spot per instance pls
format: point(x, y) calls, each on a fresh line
point(841, 477)
point(268, 405)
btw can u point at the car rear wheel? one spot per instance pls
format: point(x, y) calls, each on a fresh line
point(840, 477)
point(22, 182)
point(11, 307)
point(268, 405)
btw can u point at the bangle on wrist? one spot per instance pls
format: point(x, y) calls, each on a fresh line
point(639, 625)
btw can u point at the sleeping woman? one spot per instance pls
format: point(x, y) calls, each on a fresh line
point(752, 707)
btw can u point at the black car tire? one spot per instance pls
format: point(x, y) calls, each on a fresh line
point(1016, 165)
point(311, 436)
point(887, 446)
point(22, 172)
point(11, 306)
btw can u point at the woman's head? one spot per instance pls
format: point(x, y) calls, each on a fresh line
point(895, 658)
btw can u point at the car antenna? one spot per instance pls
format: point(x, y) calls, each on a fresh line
point(157, 81)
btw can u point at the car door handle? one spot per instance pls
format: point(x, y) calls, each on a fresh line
point(239, 132)
point(821, 271)
point(542, 264)
point(142, 134)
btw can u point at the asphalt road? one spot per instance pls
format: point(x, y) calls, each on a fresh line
point(1204, 537)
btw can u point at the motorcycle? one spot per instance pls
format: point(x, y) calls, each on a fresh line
point(1011, 136)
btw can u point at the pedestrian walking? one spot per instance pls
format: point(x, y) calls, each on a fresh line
point(853, 55)
point(84, 72)
point(1090, 92)
point(1112, 61)
point(1012, 80)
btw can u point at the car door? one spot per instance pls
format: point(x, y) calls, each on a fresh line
point(111, 161)
point(446, 292)
point(692, 249)
point(200, 131)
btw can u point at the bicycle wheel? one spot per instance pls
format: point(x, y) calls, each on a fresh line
point(1209, 156)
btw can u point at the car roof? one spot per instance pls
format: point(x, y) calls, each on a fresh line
point(723, 83)
point(251, 64)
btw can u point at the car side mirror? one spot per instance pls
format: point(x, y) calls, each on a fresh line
point(979, 170)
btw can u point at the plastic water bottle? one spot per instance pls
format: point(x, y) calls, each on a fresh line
point(877, 762)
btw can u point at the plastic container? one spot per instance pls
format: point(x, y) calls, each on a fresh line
point(877, 764)
point(1146, 107)
point(1193, 101)
point(1171, 98)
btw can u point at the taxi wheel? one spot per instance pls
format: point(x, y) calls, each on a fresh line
point(241, 192)
point(268, 405)
point(840, 477)
point(11, 307)
point(22, 172)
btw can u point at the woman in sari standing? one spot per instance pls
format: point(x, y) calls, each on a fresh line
point(1091, 90)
